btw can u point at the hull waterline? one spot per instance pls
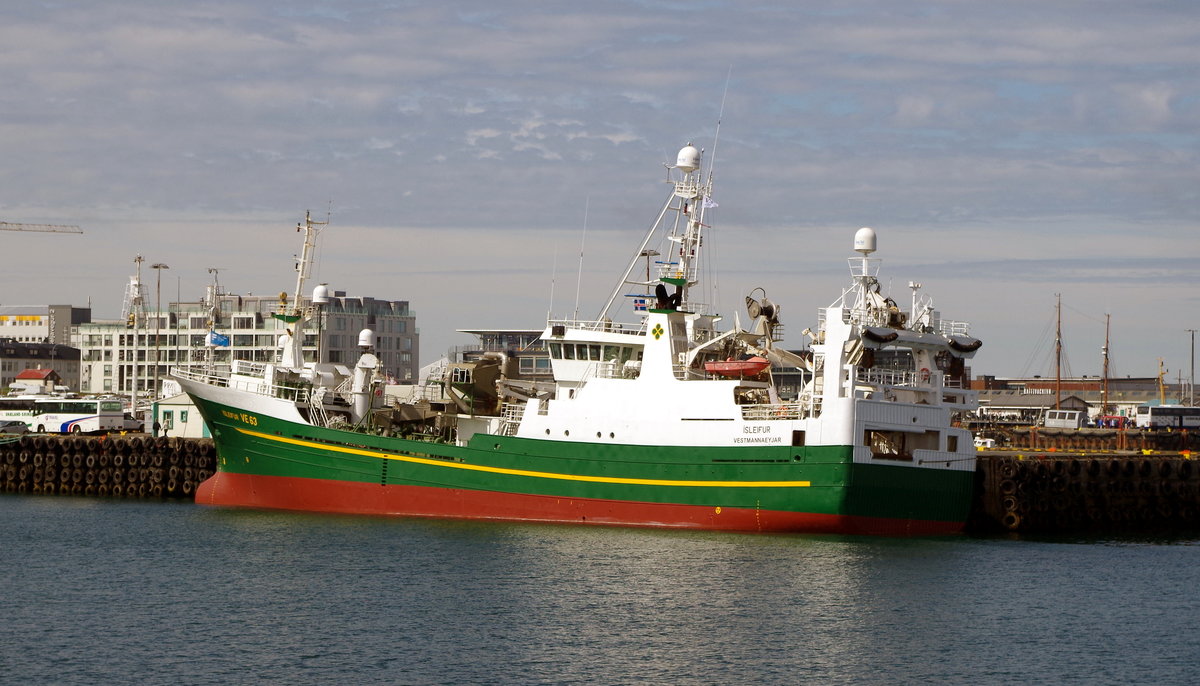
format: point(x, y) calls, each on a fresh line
point(270, 463)
point(317, 495)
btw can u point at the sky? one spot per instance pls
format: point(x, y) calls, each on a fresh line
point(493, 163)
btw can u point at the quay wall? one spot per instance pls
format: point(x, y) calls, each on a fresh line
point(1055, 487)
point(1051, 491)
point(128, 466)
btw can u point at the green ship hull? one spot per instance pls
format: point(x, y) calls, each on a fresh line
point(272, 463)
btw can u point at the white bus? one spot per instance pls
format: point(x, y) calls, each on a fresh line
point(65, 415)
point(1164, 416)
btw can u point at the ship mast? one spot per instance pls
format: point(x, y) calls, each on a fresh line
point(1104, 388)
point(690, 199)
point(138, 312)
point(292, 354)
point(1058, 353)
point(307, 255)
point(213, 310)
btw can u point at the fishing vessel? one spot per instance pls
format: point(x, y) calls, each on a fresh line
point(664, 421)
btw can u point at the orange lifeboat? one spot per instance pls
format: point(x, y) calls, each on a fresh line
point(738, 368)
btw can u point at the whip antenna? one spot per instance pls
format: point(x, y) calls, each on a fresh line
point(712, 159)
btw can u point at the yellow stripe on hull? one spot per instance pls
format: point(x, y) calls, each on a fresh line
point(524, 472)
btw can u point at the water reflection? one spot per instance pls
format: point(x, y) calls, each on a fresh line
point(101, 590)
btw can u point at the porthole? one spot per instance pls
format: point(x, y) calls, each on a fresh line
point(611, 435)
point(567, 432)
point(547, 432)
point(597, 434)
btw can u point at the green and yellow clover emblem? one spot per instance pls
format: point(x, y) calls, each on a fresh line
point(657, 331)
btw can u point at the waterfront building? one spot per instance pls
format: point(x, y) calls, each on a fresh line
point(140, 349)
point(176, 415)
point(17, 357)
point(41, 323)
point(1025, 400)
point(37, 382)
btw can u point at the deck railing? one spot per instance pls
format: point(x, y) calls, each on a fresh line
point(294, 392)
point(770, 411)
point(600, 325)
point(890, 377)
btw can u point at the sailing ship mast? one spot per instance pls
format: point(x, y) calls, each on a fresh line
point(1058, 353)
point(1104, 388)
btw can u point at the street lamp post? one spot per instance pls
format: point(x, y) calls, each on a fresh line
point(157, 267)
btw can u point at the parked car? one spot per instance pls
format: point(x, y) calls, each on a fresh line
point(13, 426)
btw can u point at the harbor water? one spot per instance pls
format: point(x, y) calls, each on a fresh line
point(123, 591)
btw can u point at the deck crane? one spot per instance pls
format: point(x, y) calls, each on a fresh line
point(48, 228)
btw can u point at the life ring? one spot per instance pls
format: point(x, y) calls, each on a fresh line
point(924, 374)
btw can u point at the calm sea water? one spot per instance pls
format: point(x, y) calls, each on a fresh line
point(104, 591)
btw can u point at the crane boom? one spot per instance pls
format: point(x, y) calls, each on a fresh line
point(50, 228)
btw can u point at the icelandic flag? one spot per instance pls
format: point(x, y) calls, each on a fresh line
point(218, 339)
point(639, 304)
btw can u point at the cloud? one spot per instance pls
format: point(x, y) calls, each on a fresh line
point(474, 135)
point(1044, 143)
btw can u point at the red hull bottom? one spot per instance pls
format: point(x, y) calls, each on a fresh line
point(317, 495)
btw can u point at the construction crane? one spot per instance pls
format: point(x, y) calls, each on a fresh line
point(49, 228)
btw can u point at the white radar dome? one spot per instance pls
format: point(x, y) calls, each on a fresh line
point(321, 295)
point(366, 338)
point(688, 160)
point(864, 240)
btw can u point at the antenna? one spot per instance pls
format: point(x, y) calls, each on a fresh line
point(712, 159)
point(553, 279)
point(714, 285)
point(579, 279)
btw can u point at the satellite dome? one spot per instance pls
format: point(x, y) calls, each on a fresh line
point(366, 338)
point(864, 240)
point(688, 160)
point(320, 295)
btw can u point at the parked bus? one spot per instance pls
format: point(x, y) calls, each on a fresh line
point(1064, 419)
point(65, 415)
point(1168, 416)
